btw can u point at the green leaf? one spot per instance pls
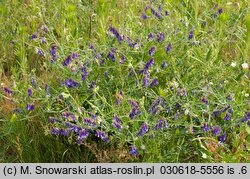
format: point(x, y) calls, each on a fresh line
point(248, 129)
point(13, 118)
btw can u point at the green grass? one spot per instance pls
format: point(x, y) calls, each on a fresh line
point(201, 66)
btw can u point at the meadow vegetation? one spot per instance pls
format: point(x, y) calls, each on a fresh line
point(124, 81)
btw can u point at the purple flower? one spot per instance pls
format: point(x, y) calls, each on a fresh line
point(46, 88)
point(68, 115)
point(53, 53)
point(166, 13)
point(123, 59)
point(191, 35)
point(154, 82)
point(45, 28)
point(135, 109)
point(82, 134)
point(156, 13)
point(75, 55)
point(91, 46)
point(70, 83)
point(40, 52)
point(33, 82)
point(92, 85)
point(117, 123)
point(216, 130)
point(30, 107)
point(133, 113)
point(206, 127)
point(149, 64)
point(160, 37)
point(131, 73)
point(164, 64)
point(43, 40)
point(220, 11)
point(133, 151)
point(162, 124)
point(144, 16)
point(102, 135)
point(111, 54)
point(145, 80)
point(178, 106)
point(93, 116)
point(54, 131)
point(73, 128)
point(159, 8)
point(229, 97)
point(222, 138)
point(119, 98)
point(204, 100)
point(64, 132)
point(216, 113)
point(53, 50)
point(89, 122)
point(29, 92)
point(84, 73)
point(99, 56)
point(52, 120)
point(7, 90)
point(133, 104)
point(143, 130)
point(156, 110)
point(33, 36)
point(181, 92)
point(116, 33)
point(152, 51)
point(67, 61)
point(248, 123)
point(106, 74)
point(155, 103)
point(227, 117)
point(168, 48)
point(150, 36)
point(246, 118)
